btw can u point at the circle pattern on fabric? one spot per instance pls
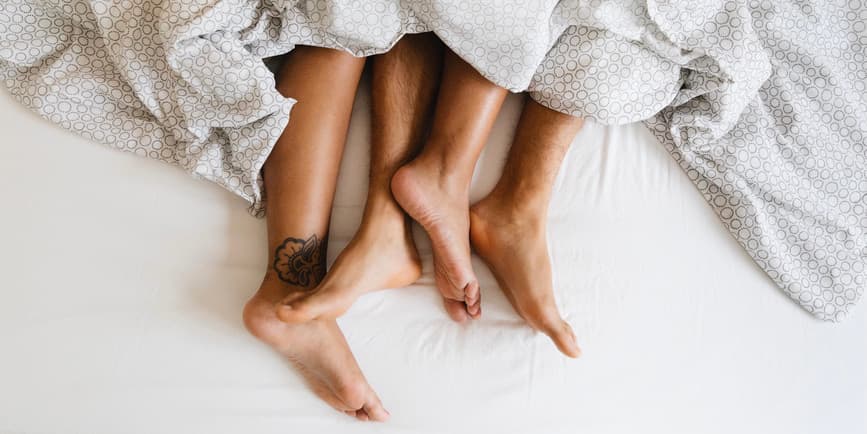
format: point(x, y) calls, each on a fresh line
point(762, 103)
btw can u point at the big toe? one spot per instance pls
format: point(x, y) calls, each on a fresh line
point(364, 403)
point(462, 301)
point(564, 338)
point(291, 314)
point(457, 310)
point(473, 299)
point(374, 410)
point(318, 305)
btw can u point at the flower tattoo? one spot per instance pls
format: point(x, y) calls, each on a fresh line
point(299, 262)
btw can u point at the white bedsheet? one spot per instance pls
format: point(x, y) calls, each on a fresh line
point(122, 282)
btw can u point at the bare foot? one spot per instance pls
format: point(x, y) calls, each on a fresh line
point(441, 206)
point(381, 255)
point(513, 245)
point(319, 351)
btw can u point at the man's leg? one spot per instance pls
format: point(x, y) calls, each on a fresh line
point(434, 188)
point(300, 179)
point(507, 227)
point(382, 253)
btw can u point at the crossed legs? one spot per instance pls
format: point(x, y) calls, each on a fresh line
point(433, 189)
point(300, 180)
point(506, 228)
point(382, 253)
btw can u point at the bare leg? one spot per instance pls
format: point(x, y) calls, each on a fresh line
point(434, 187)
point(512, 219)
point(300, 178)
point(382, 253)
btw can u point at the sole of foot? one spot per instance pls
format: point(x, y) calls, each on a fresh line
point(443, 211)
point(319, 352)
point(515, 249)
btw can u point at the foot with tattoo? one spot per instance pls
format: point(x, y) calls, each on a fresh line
point(317, 348)
point(381, 255)
point(511, 239)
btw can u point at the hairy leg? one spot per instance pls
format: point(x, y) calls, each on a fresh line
point(382, 253)
point(300, 178)
point(434, 188)
point(507, 227)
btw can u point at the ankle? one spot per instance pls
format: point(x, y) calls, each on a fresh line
point(516, 204)
point(380, 205)
point(383, 217)
point(452, 176)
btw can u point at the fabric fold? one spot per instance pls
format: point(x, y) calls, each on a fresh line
point(763, 104)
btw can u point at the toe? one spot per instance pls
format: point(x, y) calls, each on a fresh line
point(294, 296)
point(475, 310)
point(563, 336)
point(457, 310)
point(324, 393)
point(543, 316)
point(472, 297)
point(362, 415)
point(288, 313)
point(375, 410)
point(321, 305)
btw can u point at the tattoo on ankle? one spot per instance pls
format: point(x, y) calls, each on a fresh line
point(300, 262)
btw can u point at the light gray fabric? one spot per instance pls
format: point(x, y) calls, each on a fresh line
point(764, 108)
point(762, 103)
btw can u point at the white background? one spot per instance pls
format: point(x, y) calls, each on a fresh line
point(122, 282)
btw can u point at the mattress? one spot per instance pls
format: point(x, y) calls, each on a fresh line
point(122, 282)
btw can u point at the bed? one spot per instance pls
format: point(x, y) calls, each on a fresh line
point(122, 282)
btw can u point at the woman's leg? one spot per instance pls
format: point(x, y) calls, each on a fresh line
point(434, 188)
point(382, 253)
point(300, 179)
point(507, 227)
